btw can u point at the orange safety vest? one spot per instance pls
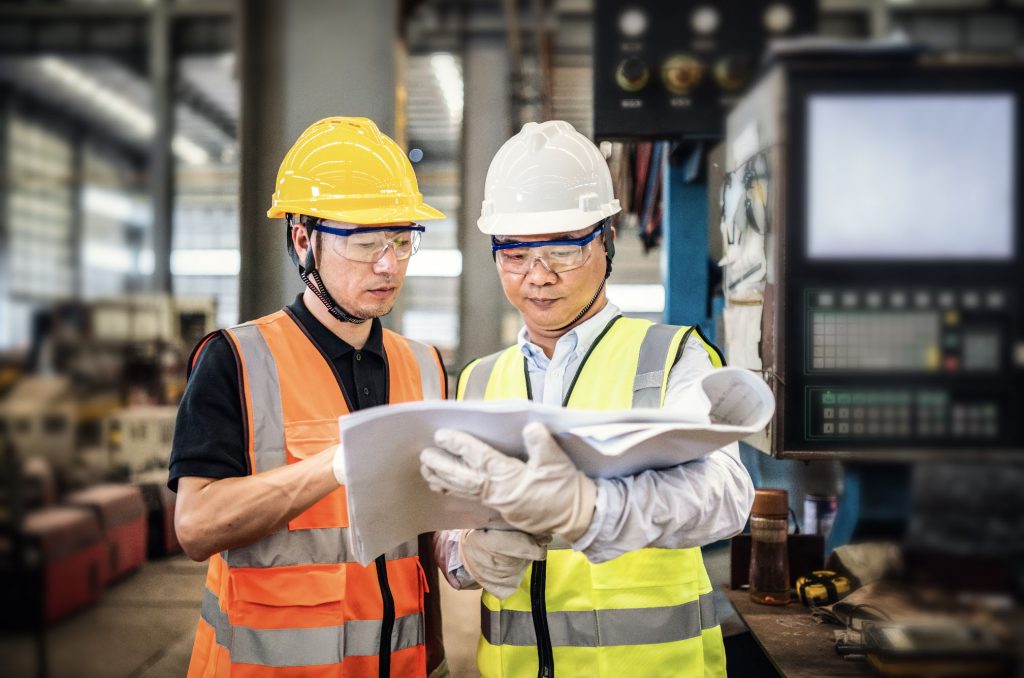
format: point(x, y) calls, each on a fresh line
point(295, 603)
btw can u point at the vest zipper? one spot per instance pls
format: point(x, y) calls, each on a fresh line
point(387, 622)
point(539, 611)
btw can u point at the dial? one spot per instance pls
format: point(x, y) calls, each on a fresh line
point(632, 74)
point(681, 73)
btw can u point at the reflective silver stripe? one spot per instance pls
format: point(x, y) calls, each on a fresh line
point(265, 391)
point(708, 615)
point(602, 628)
point(304, 547)
point(650, 369)
point(430, 375)
point(476, 387)
point(308, 646)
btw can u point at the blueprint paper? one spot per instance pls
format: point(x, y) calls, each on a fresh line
point(389, 502)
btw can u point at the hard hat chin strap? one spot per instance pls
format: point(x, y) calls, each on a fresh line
point(585, 309)
point(310, 275)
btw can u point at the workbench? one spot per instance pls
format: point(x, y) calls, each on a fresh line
point(796, 645)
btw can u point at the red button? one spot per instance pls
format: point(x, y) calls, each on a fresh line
point(951, 363)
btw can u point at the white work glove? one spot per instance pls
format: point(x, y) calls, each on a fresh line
point(497, 559)
point(545, 495)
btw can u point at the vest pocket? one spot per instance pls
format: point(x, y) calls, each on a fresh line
point(305, 439)
point(288, 597)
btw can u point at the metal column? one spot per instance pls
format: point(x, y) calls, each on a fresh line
point(486, 126)
point(300, 62)
point(685, 250)
point(161, 161)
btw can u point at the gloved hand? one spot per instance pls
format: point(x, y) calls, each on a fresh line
point(497, 559)
point(545, 495)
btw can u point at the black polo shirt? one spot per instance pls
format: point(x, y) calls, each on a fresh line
point(209, 436)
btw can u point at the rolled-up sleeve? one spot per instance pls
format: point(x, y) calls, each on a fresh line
point(684, 506)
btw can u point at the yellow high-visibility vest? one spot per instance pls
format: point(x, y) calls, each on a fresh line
point(645, 613)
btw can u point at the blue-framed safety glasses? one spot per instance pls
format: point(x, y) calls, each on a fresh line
point(557, 256)
point(370, 244)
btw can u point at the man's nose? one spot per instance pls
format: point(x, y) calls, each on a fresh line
point(388, 260)
point(540, 274)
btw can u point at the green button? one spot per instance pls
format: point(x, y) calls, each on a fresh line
point(844, 399)
point(828, 398)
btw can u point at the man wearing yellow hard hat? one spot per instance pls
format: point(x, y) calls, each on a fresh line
point(256, 459)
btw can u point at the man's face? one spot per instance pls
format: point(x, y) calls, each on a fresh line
point(363, 289)
point(547, 300)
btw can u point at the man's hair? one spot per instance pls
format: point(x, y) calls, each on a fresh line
point(300, 220)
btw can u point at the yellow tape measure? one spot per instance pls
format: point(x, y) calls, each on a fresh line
point(822, 587)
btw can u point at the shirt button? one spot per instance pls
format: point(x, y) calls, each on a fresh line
point(366, 391)
point(359, 356)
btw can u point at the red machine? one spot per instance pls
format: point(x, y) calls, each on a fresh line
point(122, 515)
point(73, 559)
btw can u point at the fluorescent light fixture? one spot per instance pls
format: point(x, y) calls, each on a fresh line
point(189, 151)
point(107, 257)
point(638, 298)
point(117, 107)
point(449, 79)
point(115, 205)
point(436, 264)
point(205, 262)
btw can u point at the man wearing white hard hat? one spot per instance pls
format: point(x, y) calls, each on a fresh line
point(622, 587)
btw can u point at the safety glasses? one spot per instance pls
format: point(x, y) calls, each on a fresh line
point(557, 256)
point(370, 245)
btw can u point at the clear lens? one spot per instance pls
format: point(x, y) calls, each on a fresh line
point(555, 258)
point(372, 246)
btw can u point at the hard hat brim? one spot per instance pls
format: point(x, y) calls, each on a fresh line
point(544, 223)
point(377, 215)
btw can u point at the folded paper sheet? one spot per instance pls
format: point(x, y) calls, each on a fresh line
point(390, 503)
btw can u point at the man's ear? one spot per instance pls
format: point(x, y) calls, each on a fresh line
point(300, 239)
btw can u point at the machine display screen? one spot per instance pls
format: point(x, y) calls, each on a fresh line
point(911, 176)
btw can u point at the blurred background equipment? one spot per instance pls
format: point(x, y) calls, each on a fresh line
point(669, 70)
point(894, 250)
point(829, 188)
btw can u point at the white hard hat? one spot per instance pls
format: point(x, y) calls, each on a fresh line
point(549, 178)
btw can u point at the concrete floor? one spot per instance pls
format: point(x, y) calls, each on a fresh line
point(144, 625)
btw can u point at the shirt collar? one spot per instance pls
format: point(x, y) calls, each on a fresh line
point(332, 345)
point(582, 336)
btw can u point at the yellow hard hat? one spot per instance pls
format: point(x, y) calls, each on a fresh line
point(345, 169)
